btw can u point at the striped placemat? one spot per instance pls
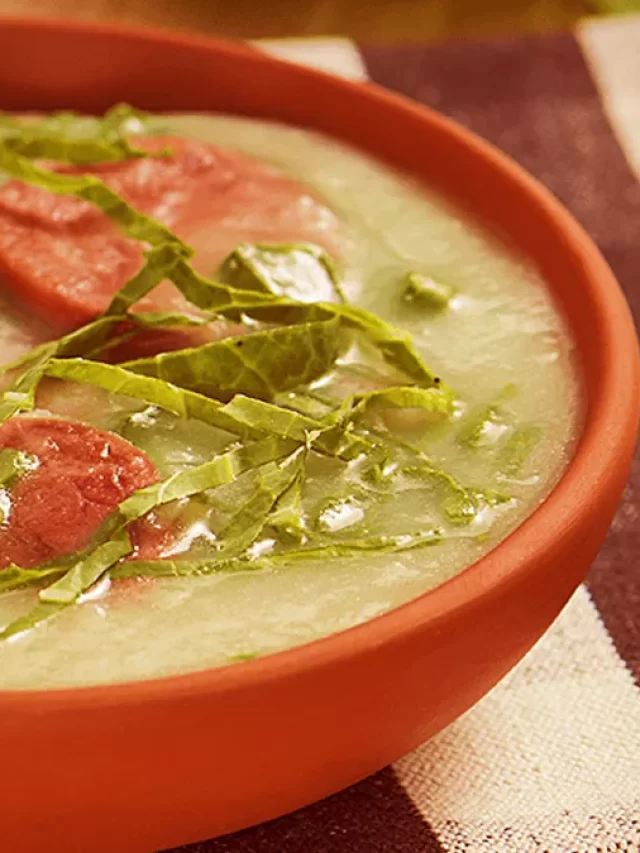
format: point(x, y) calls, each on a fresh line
point(549, 761)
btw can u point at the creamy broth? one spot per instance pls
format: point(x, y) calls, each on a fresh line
point(501, 342)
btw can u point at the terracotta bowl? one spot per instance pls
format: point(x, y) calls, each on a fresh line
point(149, 765)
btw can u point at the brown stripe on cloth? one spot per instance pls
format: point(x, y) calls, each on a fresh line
point(535, 99)
point(375, 816)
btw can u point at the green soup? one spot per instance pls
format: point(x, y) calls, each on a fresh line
point(434, 486)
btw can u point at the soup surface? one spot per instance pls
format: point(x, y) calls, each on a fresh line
point(396, 467)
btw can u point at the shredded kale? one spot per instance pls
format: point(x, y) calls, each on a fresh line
point(286, 517)
point(517, 448)
point(351, 548)
point(426, 292)
point(299, 271)
point(260, 364)
point(14, 464)
point(269, 484)
point(481, 427)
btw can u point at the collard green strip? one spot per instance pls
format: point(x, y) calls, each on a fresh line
point(287, 515)
point(218, 471)
point(14, 464)
point(259, 365)
point(243, 416)
point(118, 380)
point(69, 150)
point(170, 319)
point(371, 544)
point(90, 189)
point(477, 426)
point(427, 292)
point(87, 339)
point(122, 120)
point(66, 589)
point(325, 435)
point(14, 577)
point(271, 419)
point(395, 346)
point(86, 572)
point(242, 657)
point(159, 264)
point(300, 271)
point(352, 548)
point(118, 123)
point(308, 405)
point(233, 302)
point(269, 483)
point(64, 136)
point(436, 401)
point(22, 394)
point(42, 612)
point(517, 448)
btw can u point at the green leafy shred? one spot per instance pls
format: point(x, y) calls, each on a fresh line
point(269, 483)
point(436, 401)
point(116, 125)
point(260, 364)
point(242, 657)
point(68, 150)
point(90, 189)
point(287, 516)
point(353, 547)
point(88, 570)
point(186, 404)
point(299, 271)
point(327, 435)
point(83, 341)
point(14, 577)
point(482, 426)
point(243, 416)
point(395, 346)
point(427, 292)
point(223, 468)
point(41, 612)
point(14, 464)
point(21, 396)
point(64, 591)
point(159, 264)
point(517, 447)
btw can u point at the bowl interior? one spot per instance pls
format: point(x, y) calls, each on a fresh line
point(47, 65)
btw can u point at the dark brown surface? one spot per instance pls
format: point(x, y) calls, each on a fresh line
point(375, 816)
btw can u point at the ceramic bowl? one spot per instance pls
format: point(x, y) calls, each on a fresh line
point(149, 765)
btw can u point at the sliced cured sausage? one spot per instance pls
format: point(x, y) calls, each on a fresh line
point(82, 474)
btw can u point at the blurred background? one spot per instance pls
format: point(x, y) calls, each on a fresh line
point(365, 20)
